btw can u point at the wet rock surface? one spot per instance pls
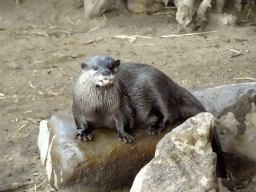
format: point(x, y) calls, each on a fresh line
point(184, 160)
point(103, 164)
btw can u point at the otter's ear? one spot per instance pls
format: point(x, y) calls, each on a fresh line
point(84, 65)
point(117, 63)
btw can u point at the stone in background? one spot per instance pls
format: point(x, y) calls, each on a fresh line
point(95, 8)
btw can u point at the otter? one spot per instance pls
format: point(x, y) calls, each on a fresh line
point(108, 94)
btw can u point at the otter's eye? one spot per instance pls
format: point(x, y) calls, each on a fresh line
point(95, 68)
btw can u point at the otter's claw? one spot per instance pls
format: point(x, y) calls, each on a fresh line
point(82, 135)
point(127, 139)
point(153, 131)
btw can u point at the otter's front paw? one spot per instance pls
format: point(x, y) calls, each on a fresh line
point(83, 135)
point(125, 137)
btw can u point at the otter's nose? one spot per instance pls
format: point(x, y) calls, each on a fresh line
point(106, 73)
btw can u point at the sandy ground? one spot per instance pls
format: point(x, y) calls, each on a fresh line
point(43, 43)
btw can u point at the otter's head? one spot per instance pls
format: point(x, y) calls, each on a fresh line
point(102, 69)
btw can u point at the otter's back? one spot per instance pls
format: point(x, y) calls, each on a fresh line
point(146, 78)
point(150, 89)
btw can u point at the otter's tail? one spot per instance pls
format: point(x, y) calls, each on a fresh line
point(190, 105)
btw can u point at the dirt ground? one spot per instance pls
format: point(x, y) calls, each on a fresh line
point(43, 43)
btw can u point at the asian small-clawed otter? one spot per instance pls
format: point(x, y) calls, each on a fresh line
point(108, 94)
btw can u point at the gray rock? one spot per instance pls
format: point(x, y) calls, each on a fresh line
point(221, 187)
point(186, 9)
point(238, 138)
point(103, 164)
point(235, 98)
point(140, 6)
point(184, 160)
point(95, 8)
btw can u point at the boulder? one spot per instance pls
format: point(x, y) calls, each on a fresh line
point(186, 9)
point(238, 138)
point(95, 8)
point(220, 5)
point(234, 106)
point(148, 6)
point(184, 160)
point(103, 164)
point(235, 98)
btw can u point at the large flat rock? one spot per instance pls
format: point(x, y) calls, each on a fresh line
point(103, 164)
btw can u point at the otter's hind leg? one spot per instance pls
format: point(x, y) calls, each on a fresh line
point(160, 123)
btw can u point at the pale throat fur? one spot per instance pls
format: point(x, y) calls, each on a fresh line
point(95, 97)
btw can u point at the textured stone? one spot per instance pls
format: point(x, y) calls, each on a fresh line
point(187, 9)
point(103, 164)
point(221, 187)
point(95, 8)
point(242, 173)
point(235, 98)
point(184, 160)
point(251, 186)
point(148, 6)
point(238, 138)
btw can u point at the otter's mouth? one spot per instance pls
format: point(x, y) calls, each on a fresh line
point(104, 82)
